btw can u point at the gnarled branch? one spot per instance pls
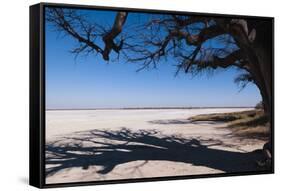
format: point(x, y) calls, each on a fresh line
point(64, 21)
point(109, 37)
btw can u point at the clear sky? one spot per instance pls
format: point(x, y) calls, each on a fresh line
point(90, 82)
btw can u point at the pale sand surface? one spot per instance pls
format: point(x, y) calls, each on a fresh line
point(93, 145)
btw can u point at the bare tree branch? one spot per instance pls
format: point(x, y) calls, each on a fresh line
point(109, 37)
point(197, 43)
point(65, 21)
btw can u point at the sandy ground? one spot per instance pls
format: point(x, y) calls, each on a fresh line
point(94, 145)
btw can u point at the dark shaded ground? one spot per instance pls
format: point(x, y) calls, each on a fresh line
point(112, 148)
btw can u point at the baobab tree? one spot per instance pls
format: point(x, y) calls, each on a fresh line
point(195, 43)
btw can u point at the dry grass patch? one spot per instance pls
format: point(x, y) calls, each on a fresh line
point(251, 124)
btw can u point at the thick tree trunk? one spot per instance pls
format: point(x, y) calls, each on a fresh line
point(259, 50)
point(264, 51)
point(262, 47)
point(265, 62)
point(263, 78)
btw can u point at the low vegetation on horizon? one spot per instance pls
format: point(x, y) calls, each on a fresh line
point(249, 124)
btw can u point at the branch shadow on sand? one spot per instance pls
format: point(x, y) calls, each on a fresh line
point(111, 148)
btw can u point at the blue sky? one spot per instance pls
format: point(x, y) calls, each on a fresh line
point(90, 82)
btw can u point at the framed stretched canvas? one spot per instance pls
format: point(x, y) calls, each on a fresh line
point(126, 95)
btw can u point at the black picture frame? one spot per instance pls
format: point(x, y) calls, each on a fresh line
point(37, 96)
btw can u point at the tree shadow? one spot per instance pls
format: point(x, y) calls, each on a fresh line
point(111, 148)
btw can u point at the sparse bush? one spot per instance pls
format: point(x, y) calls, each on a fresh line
point(259, 105)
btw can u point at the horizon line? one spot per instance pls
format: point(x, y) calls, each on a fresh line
point(128, 108)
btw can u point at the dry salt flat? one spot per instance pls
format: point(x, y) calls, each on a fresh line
point(95, 145)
